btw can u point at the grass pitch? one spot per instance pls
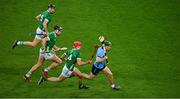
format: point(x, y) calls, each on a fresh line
point(144, 57)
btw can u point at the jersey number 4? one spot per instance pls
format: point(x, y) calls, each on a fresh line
point(70, 57)
point(42, 16)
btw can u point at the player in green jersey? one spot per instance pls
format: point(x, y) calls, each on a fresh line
point(42, 30)
point(47, 52)
point(72, 57)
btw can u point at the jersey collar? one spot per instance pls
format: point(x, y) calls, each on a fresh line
point(48, 11)
point(74, 49)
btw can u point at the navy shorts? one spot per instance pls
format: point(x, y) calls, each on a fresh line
point(96, 70)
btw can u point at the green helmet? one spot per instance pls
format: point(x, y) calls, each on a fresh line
point(51, 6)
point(107, 43)
point(56, 27)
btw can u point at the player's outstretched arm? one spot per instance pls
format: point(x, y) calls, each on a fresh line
point(63, 57)
point(56, 48)
point(80, 63)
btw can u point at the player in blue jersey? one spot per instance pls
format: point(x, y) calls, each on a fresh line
point(99, 64)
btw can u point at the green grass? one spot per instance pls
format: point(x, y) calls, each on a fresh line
point(144, 58)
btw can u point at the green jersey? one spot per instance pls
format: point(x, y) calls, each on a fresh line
point(50, 44)
point(72, 56)
point(45, 15)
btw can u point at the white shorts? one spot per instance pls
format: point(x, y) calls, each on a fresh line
point(39, 34)
point(66, 72)
point(45, 55)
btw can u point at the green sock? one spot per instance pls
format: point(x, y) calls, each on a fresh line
point(20, 43)
point(28, 74)
point(46, 69)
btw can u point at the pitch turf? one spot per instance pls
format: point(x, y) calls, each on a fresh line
point(144, 57)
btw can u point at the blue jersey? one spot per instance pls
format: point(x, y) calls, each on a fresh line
point(101, 54)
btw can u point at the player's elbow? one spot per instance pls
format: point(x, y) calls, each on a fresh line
point(79, 64)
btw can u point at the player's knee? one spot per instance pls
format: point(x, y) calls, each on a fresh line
point(39, 64)
point(80, 75)
point(59, 61)
point(34, 45)
point(91, 76)
point(59, 79)
point(88, 77)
